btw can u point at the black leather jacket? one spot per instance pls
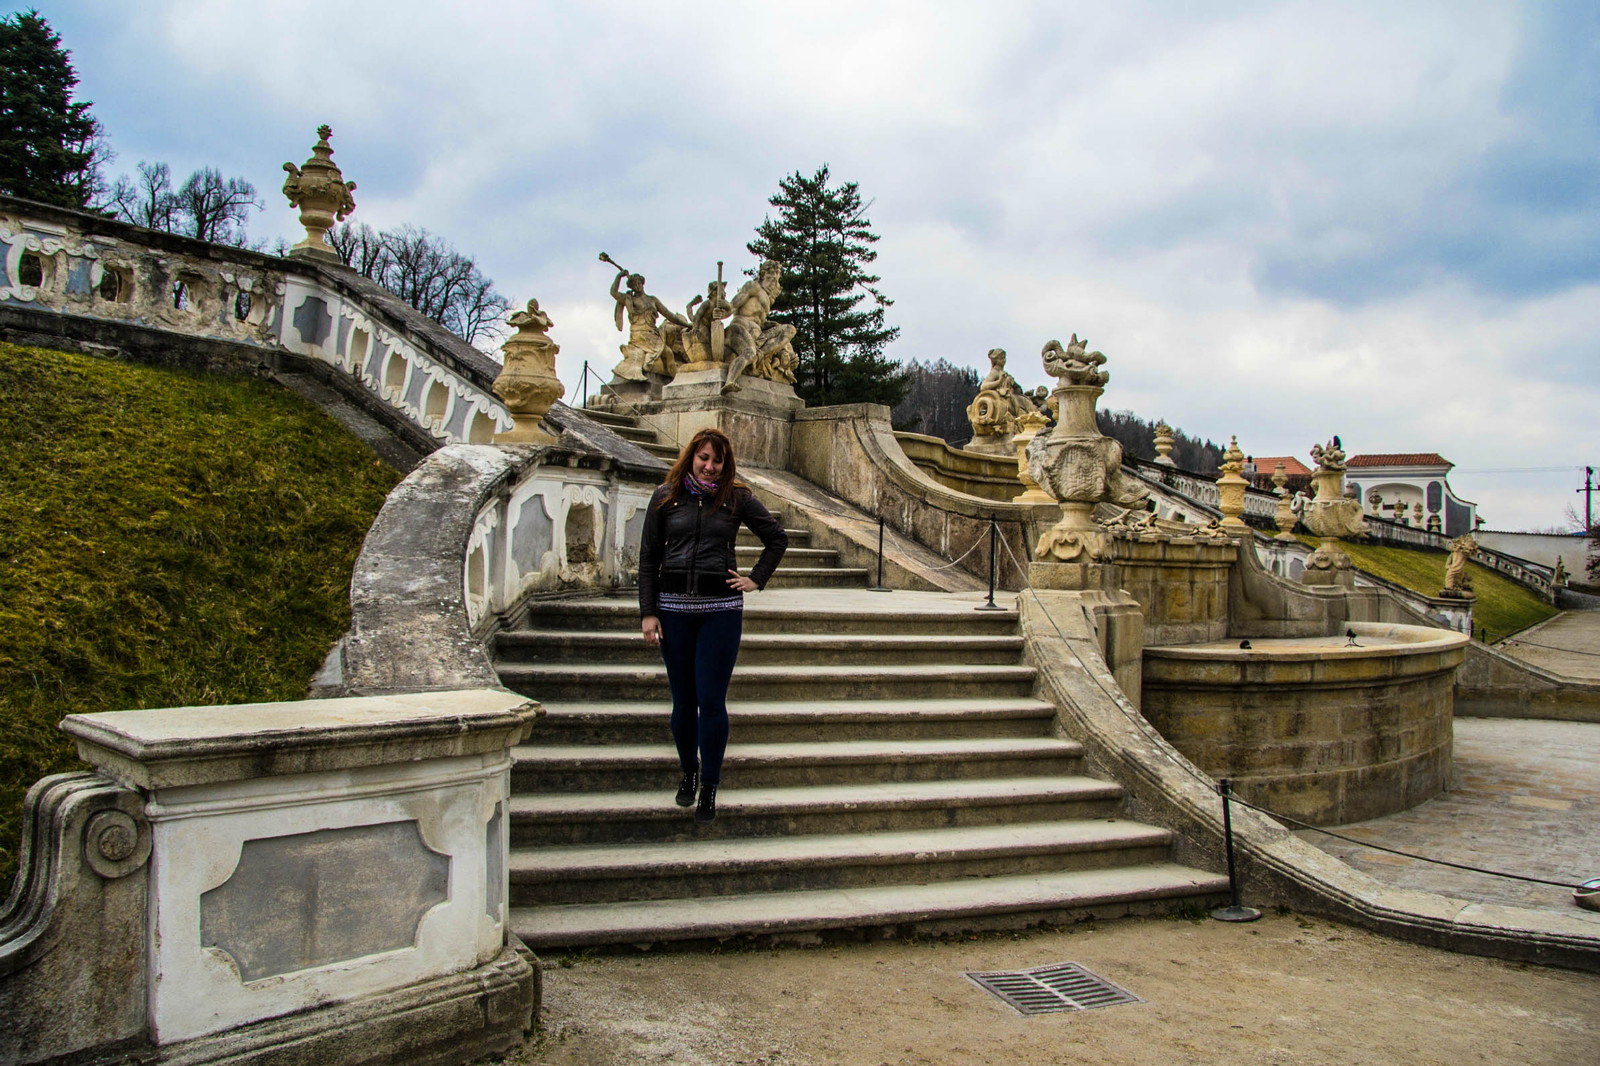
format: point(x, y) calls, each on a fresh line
point(687, 537)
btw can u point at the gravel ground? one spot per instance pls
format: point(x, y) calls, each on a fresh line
point(1287, 989)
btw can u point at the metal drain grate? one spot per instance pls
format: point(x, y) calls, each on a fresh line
point(1058, 987)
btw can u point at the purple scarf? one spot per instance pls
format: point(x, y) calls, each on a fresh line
point(694, 485)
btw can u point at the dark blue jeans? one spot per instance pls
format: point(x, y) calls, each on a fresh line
point(699, 650)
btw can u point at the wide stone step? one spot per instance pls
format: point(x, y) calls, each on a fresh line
point(573, 681)
point(618, 817)
point(552, 768)
point(960, 906)
point(817, 577)
point(604, 873)
point(747, 554)
point(761, 649)
point(660, 449)
point(759, 617)
point(636, 433)
point(775, 722)
point(798, 538)
point(609, 418)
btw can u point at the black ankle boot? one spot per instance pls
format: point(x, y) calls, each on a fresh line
point(706, 812)
point(686, 788)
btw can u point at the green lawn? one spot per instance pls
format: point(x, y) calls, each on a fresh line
point(1503, 606)
point(166, 539)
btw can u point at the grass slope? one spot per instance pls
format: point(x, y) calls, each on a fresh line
point(166, 539)
point(1503, 606)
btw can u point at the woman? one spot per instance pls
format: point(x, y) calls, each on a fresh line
point(692, 599)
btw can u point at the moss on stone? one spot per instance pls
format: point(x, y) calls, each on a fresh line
point(166, 539)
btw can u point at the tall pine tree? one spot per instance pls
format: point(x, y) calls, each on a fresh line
point(47, 142)
point(824, 240)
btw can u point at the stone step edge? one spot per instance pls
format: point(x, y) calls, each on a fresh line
point(556, 807)
point(737, 855)
point(976, 708)
point(795, 671)
point(806, 641)
point(630, 609)
point(645, 922)
point(650, 756)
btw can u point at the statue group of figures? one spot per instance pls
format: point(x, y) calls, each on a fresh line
point(713, 330)
point(997, 412)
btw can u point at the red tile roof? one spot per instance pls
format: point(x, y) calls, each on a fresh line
point(1399, 459)
point(1291, 465)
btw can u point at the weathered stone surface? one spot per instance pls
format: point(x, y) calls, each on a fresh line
point(184, 746)
point(310, 899)
point(72, 939)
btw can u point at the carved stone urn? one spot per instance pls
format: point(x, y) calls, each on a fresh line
point(1076, 464)
point(1331, 515)
point(319, 190)
point(528, 382)
point(1231, 488)
point(1030, 424)
point(1284, 516)
point(1164, 443)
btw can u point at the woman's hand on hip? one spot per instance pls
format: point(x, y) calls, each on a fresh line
point(739, 583)
point(652, 630)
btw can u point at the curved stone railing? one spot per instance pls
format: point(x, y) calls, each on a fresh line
point(851, 450)
point(1259, 507)
point(991, 477)
point(467, 539)
point(80, 278)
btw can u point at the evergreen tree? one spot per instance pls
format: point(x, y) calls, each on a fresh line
point(824, 240)
point(49, 145)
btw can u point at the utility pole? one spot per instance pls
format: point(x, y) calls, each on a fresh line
point(1588, 499)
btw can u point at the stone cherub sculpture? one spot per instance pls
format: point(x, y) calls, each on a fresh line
point(1457, 581)
point(760, 349)
point(1000, 403)
point(645, 341)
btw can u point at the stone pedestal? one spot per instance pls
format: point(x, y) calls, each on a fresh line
point(322, 876)
point(1071, 577)
point(757, 418)
point(1181, 584)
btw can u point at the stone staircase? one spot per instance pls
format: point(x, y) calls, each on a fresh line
point(889, 769)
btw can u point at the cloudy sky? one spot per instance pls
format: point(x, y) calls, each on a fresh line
point(1283, 221)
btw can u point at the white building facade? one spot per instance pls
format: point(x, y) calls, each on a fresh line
point(1411, 488)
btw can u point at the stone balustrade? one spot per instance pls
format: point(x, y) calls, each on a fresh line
point(326, 875)
point(86, 280)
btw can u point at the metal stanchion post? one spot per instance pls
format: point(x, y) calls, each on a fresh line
point(1235, 912)
point(994, 532)
point(586, 383)
point(879, 587)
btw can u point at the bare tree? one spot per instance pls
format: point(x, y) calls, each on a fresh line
point(213, 208)
point(147, 201)
point(425, 272)
point(206, 206)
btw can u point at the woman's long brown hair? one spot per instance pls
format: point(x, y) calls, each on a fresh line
point(726, 481)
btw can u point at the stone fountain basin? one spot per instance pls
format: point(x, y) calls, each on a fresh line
point(1311, 727)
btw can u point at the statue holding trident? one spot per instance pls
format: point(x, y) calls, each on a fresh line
point(645, 342)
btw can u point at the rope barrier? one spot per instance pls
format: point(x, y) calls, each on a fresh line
point(1143, 725)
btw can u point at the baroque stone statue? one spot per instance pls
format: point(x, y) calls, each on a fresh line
point(761, 350)
point(645, 342)
point(1075, 463)
point(1457, 581)
point(996, 412)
